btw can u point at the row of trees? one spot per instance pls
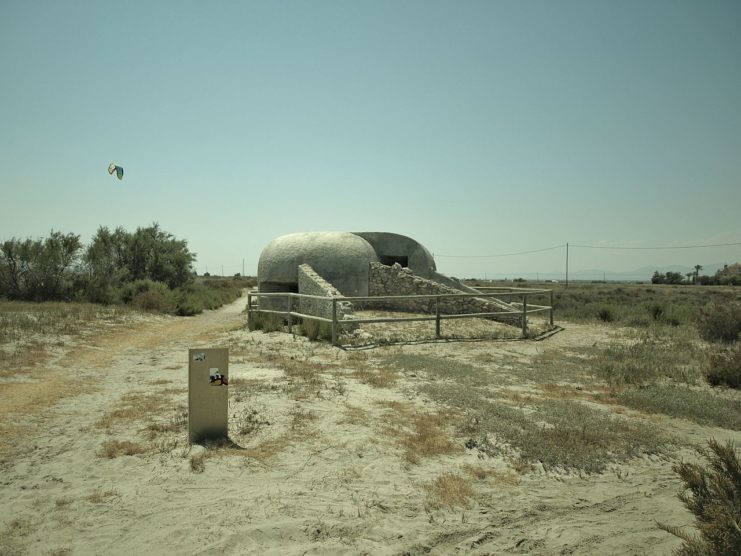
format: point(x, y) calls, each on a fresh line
point(694, 278)
point(59, 268)
point(668, 278)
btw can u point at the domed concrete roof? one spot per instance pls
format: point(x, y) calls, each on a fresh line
point(389, 246)
point(341, 258)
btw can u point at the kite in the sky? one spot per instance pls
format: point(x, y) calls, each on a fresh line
point(119, 171)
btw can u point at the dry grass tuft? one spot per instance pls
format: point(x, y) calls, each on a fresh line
point(559, 391)
point(421, 434)
point(268, 449)
point(114, 448)
point(177, 424)
point(448, 490)
point(100, 496)
point(300, 417)
point(354, 415)
point(305, 378)
point(356, 359)
point(198, 462)
point(499, 477)
point(378, 378)
point(135, 406)
point(63, 501)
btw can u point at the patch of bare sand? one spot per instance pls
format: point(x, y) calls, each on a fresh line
point(318, 461)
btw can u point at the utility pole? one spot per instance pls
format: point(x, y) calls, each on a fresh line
point(567, 264)
point(243, 266)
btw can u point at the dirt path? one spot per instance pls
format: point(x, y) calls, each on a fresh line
point(52, 431)
point(100, 360)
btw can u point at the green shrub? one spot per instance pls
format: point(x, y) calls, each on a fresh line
point(656, 311)
point(130, 290)
point(713, 495)
point(194, 298)
point(720, 322)
point(671, 314)
point(724, 367)
point(188, 305)
point(648, 360)
point(605, 315)
point(157, 300)
point(148, 295)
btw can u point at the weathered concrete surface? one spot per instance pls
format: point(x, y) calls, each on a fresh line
point(310, 283)
point(341, 258)
point(386, 244)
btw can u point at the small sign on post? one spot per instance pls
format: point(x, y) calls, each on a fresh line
point(208, 394)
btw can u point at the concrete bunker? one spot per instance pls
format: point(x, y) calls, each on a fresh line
point(359, 264)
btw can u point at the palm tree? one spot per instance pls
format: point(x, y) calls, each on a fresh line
point(698, 268)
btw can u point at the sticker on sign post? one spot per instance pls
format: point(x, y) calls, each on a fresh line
point(216, 378)
point(208, 394)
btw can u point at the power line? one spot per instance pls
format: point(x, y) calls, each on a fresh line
point(501, 255)
point(658, 248)
point(667, 247)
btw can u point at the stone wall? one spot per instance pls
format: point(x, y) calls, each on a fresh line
point(310, 283)
point(395, 280)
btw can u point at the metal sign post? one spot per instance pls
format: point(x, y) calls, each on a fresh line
point(208, 394)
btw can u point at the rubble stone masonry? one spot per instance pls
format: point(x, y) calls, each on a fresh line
point(396, 280)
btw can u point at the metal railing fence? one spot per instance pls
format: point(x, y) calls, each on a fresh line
point(523, 307)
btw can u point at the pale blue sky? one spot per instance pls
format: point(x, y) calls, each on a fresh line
point(475, 127)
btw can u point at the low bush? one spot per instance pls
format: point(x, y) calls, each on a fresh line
point(196, 297)
point(724, 367)
point(310, 329)
point(314, 329)
point(130, 290)
point(605, 314)
point(656, 310)
point(720, 321)
point(267, 322)
point(713, 494)
point(156, 300)
point(148, 295)
point(647, 361)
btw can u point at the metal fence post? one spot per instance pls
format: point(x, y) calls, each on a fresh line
point(288, 314)
point(551, 311)
point(334, 321)
point(524, 315)
point(249, 311)
point(437, 317)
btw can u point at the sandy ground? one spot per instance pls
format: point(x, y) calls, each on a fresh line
point(312, 469)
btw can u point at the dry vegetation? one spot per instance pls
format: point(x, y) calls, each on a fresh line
point(433, 439)
point(31, 332)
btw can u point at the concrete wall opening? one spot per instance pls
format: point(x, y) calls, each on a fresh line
point(278, 287)
point(390, 260)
